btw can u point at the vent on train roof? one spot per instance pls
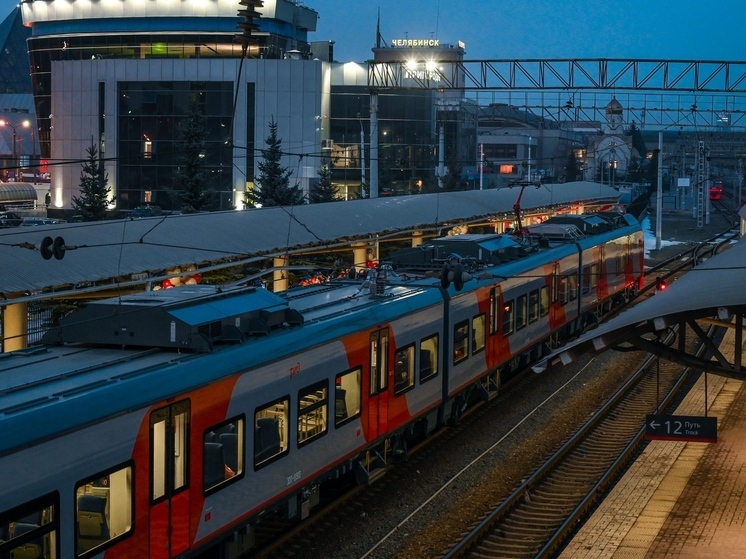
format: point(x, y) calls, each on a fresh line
point(477, 248)
point(188, 317)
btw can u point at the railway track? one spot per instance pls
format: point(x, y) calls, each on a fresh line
point(537, 518)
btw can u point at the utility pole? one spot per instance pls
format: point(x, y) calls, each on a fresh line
point(659, 197)
point(700, 184)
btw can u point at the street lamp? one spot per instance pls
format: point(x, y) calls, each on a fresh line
point(25, 124)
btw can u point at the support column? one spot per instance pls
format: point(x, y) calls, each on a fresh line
point(15, 327)
point(373, 192)
point(280, 277)
point(416, 238)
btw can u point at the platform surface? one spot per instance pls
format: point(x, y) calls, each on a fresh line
point(680, 500)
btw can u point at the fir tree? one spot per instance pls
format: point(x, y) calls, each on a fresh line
point(637, 140)
point(324, 190)
point(272, 186)
point(94, 190)
point(572, 170)
point(191, 193)
point(452, 179)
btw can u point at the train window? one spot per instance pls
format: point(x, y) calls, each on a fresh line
point(428, 358)
point(563, 293)
point(544, 301)
point(169, 450)
point(271, 431)
point(31, 530)
point(404, 369)
point(348, 388)
point(521, 314)
point(313, 406)
point(494, 310)
point(477, 334)
point(460, 341)
point(594, 275)
point(223, 453)
point(586, 279)
point(507, 318)
point(572, 286)
point(619, 264)
point(533, 306)
point(379, 344)
point(103, 508)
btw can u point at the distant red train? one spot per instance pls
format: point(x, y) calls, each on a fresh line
point(716, 190)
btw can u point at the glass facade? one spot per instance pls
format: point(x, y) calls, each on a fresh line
point(407, 141)
point(44, 50)
point(149, 141)
point(14, 61)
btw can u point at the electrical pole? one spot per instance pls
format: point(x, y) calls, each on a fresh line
point(659, 197)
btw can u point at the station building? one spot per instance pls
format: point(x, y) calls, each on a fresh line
point(120, 76)
point(121, 80)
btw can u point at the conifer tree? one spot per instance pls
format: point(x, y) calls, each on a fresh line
point(191, 193)
point(452, 179)
point(272, 185)
point(94, 190)
point(572, 170)
point(324, 190)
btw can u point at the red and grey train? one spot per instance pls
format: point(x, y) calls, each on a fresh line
point(161, 424)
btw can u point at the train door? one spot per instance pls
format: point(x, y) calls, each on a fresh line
point(169, 471)
point(378, 396)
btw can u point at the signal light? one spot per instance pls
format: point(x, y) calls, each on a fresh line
point(660, 284)
point(50, 247)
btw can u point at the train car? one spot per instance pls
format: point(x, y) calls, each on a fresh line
point(716, 190)
point(167, 423)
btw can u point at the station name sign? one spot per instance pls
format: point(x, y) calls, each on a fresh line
point(429, 43)
point(681, 428)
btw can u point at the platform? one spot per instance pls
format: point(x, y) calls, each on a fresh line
point(680, 500)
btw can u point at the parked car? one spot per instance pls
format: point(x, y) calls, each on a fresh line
point(10, 219)
point(35, 221)
point(146, 211)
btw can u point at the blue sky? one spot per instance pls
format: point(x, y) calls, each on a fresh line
point(499, 29)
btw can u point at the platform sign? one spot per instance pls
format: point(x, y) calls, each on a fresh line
point(681, 428)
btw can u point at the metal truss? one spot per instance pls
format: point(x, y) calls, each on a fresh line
point(685, 94)
point(569, 74)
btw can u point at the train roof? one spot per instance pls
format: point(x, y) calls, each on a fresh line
point(47, 390)
point(128, 353)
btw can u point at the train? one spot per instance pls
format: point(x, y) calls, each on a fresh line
point(168, 423)
point(716, 190)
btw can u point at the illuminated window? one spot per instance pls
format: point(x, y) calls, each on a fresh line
point(460, 341)
point(404, 369)
point(271, 431)
point(429, 357)
point(477, 333)
point(312, 411)
point(347, 396)
point(507, 170)
point(103, 508)
point(223, 453)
